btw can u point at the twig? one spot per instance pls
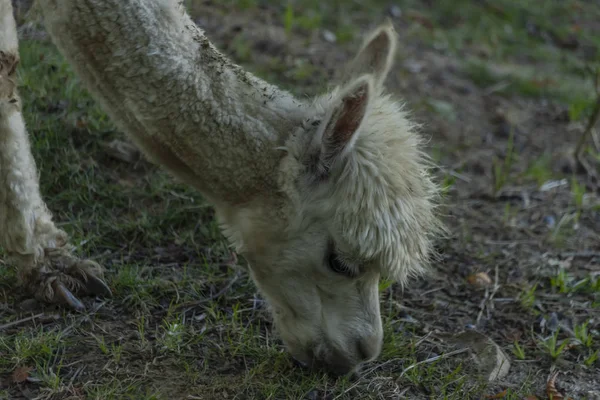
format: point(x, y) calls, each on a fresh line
point(510, 242)
point(424, 338)
point(215, 296)
point(596, 140)
point(431, 291)
point(489, 296)
point(581, 254)
point(383, 364)
point(432, 359)
point(429, 360)
point(591, 121)
point(20, 321)
point(590, 170)
point(455, 174)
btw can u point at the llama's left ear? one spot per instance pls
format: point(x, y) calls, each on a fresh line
point(342, 125)
point(376, 55)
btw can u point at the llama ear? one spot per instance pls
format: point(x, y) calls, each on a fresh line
point(376, 55)
point(342, 124)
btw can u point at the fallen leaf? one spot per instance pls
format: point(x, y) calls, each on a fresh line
point(500, 395)
point(21, 374)
point(420, 18)
point(532, 397)
point(480, 279)
point(551, 391)
point(543, 82)
point(81, 123)
point(490, 360)
point(126, 183)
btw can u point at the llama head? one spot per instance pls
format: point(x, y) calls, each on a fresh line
point(357, 205)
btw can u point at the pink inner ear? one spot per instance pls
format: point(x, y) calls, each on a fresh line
point(350, 117)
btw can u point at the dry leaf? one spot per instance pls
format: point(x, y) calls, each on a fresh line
point(500, 395)
point(126, 183)
point(491, 361)
point(81, 123)
point(420, 18)
point(551, 391)
point(21, 374)
point(480, 279)
point(543, 83)
point(123, 151)
point(532, 397)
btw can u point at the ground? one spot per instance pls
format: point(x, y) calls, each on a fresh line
point(503, 93)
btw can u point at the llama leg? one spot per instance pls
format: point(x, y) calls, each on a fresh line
point(38, 249)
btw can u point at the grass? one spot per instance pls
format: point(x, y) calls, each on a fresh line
point(164, 253)
point(553, 346)
point(540, 170)
point(518, 351)
point(502, 168)
point(583, 335)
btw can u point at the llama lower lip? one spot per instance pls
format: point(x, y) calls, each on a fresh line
point(299, 363)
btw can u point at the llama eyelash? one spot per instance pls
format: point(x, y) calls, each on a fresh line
point(338, 264)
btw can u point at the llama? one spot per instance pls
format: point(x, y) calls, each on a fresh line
point(322, 198)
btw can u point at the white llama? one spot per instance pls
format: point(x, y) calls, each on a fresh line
point(322, 198)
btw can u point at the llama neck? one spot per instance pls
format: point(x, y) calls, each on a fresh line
point(182, 102)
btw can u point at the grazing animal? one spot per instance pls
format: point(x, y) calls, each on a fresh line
point(321, 197)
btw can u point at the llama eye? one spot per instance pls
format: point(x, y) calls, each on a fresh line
point(338, 265)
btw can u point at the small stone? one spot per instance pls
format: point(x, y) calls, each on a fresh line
point(553, 322)
point(542, 324)
point(480, 279)
point(200, 317)
point(329, 36)
point(395, 11)
point(123, 151)
point(413, 66)
point(407, 318)
point(550, 221)
point(549, 185)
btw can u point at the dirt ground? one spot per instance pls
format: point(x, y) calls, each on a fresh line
point(521, 264)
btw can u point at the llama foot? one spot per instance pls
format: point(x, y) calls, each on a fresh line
point(60, 276)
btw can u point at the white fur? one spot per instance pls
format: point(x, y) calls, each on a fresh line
point(253, 150)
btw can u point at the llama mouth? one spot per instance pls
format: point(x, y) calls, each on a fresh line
point(299, 363)
point(352, 375)
point(333, 369)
